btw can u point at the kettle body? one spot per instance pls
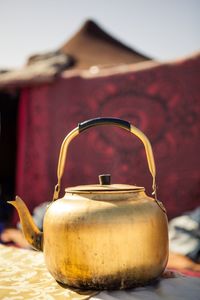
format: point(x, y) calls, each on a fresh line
point(105, 242)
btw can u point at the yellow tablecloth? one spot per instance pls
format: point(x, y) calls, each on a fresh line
point(23, 275)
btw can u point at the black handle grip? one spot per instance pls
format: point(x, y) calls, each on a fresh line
point(103, 121)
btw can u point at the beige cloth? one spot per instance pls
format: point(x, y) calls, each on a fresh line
point(23, 275)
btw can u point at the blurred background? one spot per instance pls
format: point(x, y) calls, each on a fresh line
point(160, 29)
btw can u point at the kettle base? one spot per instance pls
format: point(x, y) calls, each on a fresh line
point(107, 284)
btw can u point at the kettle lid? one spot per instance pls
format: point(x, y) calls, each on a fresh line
point(105, 187)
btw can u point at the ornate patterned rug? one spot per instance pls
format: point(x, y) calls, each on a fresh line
point(161, 100)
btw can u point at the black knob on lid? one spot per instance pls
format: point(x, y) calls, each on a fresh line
point(104, 179)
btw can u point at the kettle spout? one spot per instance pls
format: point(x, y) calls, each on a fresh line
point(32, 234)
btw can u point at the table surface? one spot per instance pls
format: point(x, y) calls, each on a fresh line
point(23, 275)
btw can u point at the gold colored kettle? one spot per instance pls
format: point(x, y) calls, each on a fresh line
point(103, 236)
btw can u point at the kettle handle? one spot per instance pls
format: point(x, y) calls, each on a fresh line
point(104, 121)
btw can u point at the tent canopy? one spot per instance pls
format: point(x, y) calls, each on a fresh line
point(90, 46)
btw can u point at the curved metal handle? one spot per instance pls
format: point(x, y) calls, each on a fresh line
point(104, 121)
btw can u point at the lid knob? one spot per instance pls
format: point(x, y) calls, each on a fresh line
point(104, 179)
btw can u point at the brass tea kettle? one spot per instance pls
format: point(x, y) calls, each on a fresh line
point(103, 236)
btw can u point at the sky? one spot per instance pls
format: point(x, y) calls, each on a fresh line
point(162, 29)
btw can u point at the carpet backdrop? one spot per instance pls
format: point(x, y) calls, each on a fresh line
point(163, 101)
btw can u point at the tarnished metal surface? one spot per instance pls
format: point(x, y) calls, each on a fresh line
point(92, 241)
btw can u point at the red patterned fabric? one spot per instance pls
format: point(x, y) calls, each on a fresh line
point(163, 101)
